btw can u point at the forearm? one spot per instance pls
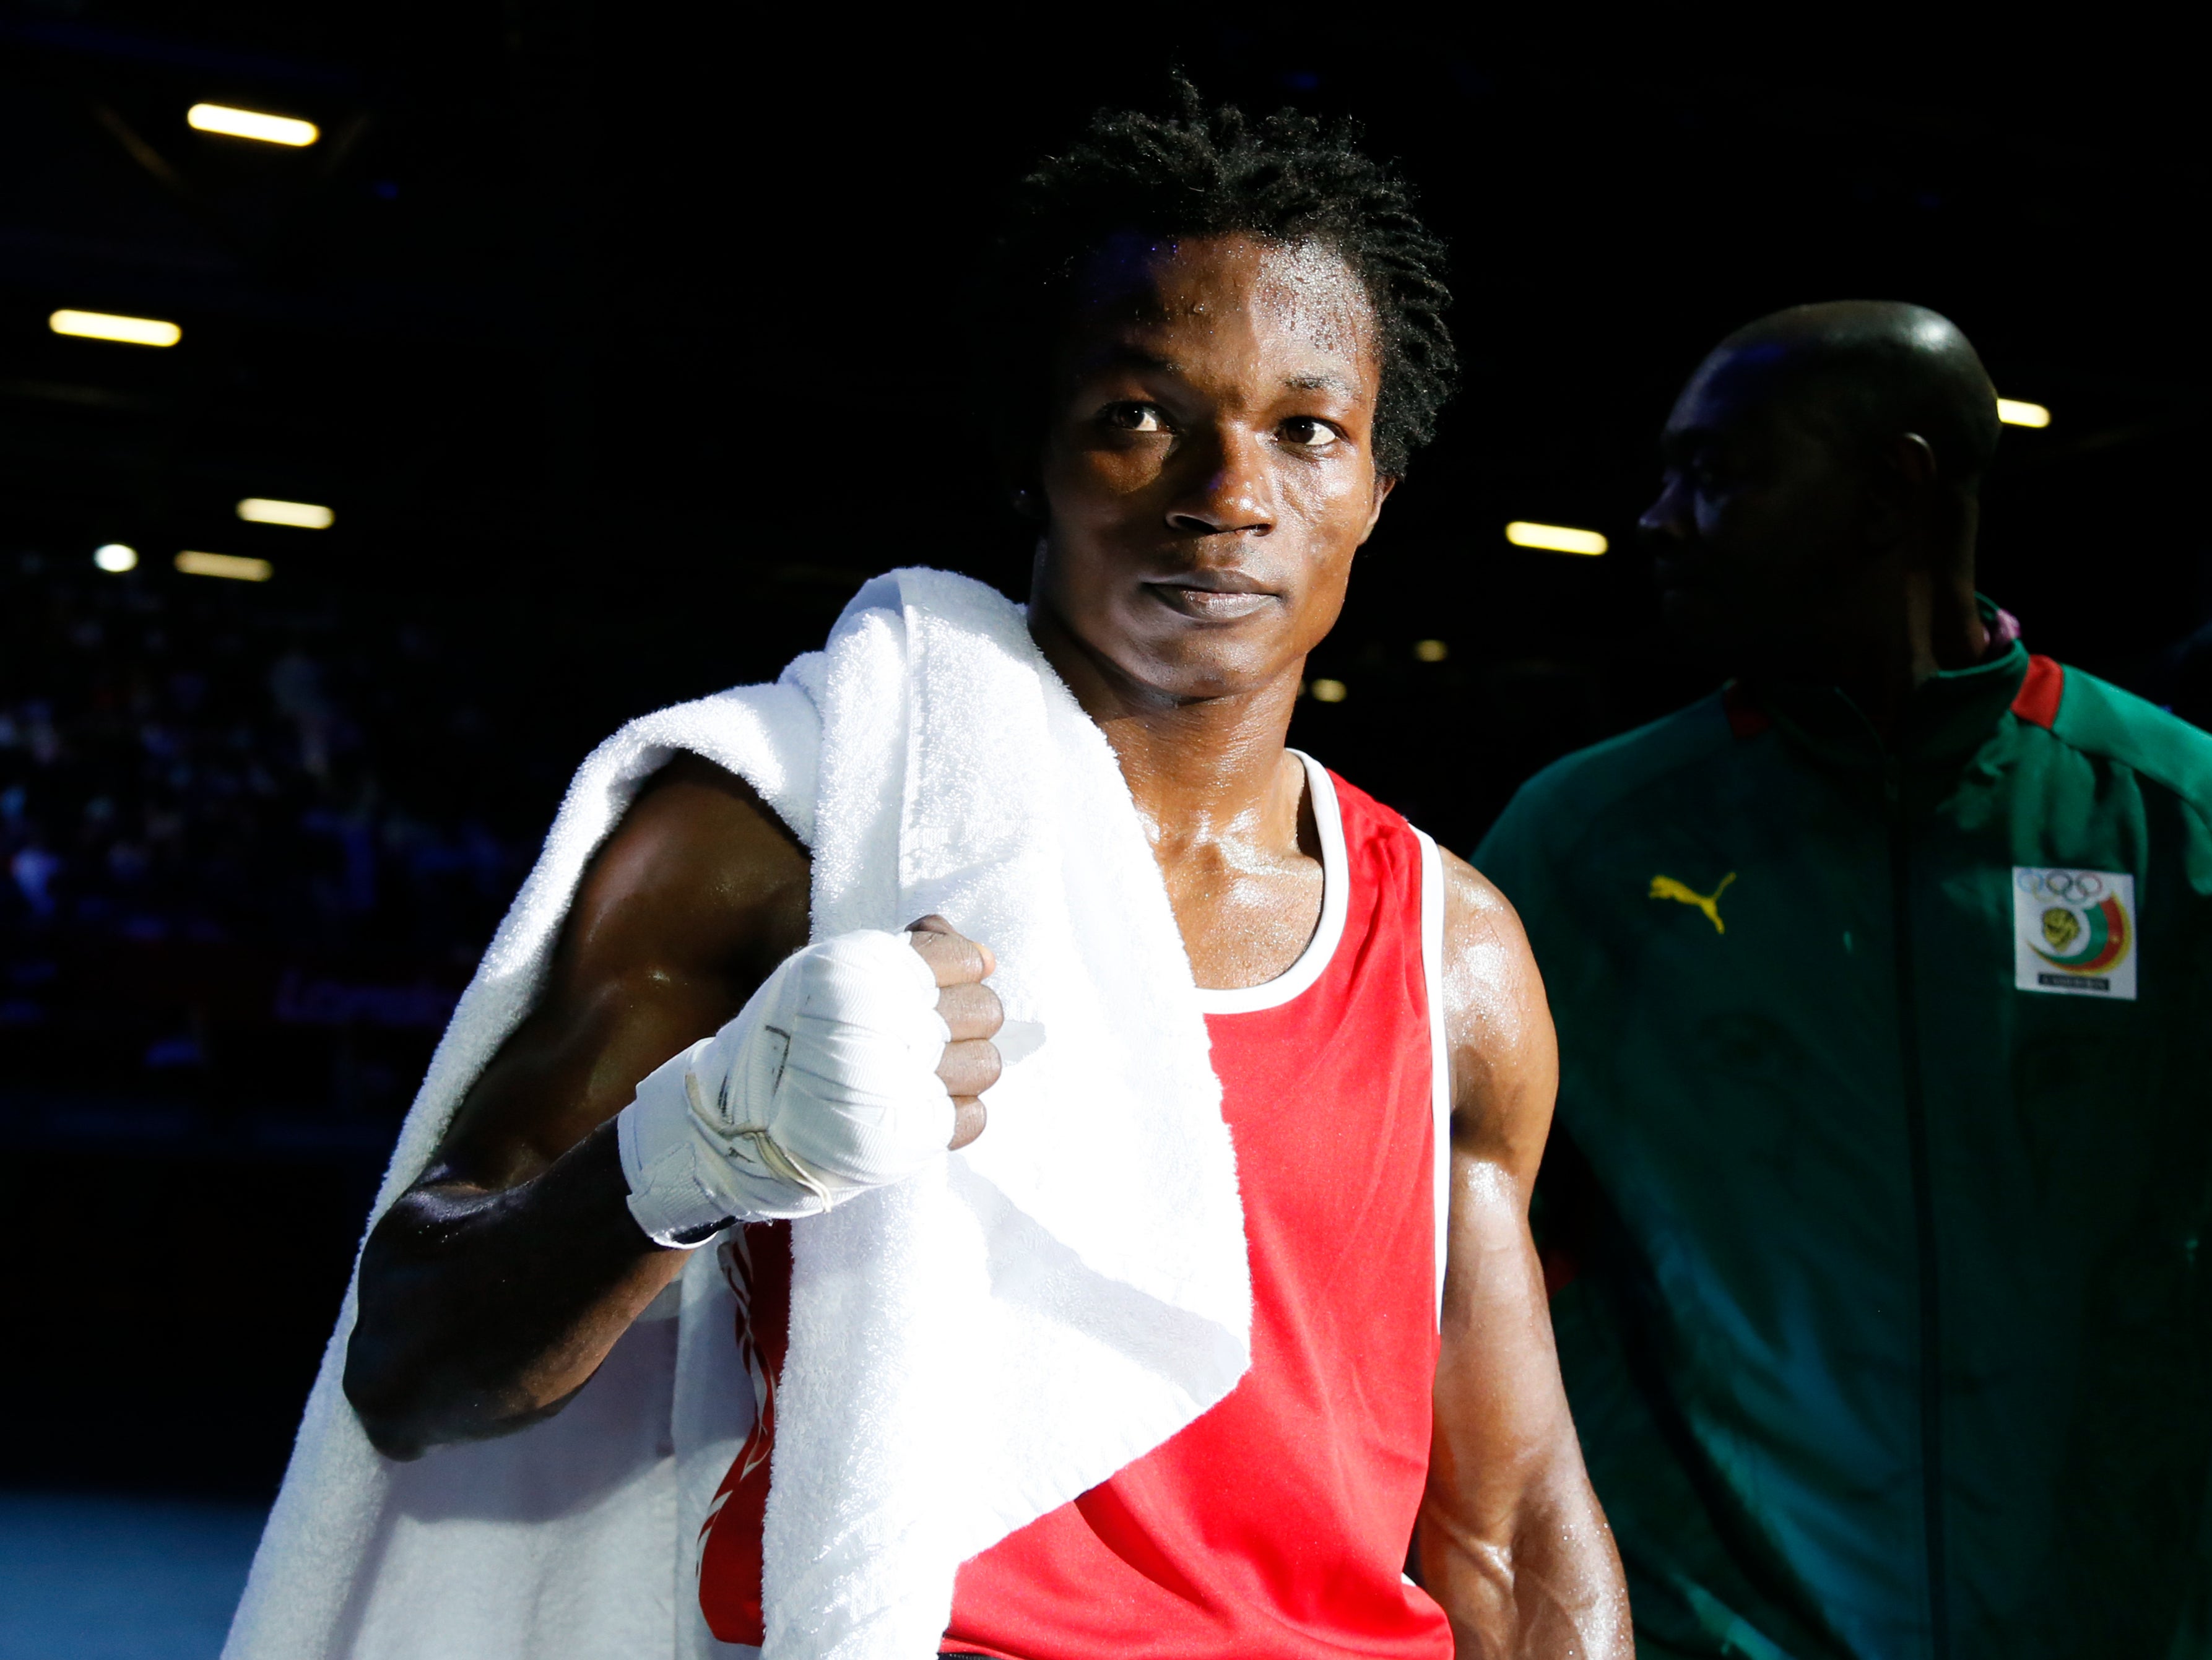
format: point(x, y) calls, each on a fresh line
point(481, 1311)
point(1541, 1584)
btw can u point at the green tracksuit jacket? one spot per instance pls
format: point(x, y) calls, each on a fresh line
point(1884, 1146)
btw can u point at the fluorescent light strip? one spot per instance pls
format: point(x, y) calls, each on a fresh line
point(302, 515)
point(225, 565)
point(2014, 412)
point(1554, 538)
point(102, 325)
point(251, 124)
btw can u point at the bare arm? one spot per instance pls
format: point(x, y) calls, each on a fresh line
point(1512, 1541)
point(494, 1288)
point(495, 1285)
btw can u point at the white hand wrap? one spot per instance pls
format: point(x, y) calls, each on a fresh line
point(825, 1084)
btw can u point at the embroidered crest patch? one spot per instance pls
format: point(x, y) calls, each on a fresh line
point(2073, 931)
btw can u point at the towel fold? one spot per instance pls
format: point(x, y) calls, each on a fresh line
point(969, 1348)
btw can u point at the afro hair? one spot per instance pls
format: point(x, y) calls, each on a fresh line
point(1198, 172)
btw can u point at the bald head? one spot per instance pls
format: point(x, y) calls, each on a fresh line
point(1822, 463)
point(1865, 371)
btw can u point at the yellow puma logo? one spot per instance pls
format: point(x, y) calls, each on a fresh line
point(1666, 887)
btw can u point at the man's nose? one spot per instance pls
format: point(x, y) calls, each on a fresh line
point(1668, 519)
point(1230, 488)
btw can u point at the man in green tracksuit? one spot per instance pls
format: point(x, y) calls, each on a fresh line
point(1883, 1159)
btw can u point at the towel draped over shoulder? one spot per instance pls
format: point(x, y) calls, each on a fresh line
point(969, 1348)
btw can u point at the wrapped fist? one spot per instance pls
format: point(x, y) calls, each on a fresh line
point(840, 1073)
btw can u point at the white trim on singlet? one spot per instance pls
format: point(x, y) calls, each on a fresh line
point(1432, 975)
point(1328, 933)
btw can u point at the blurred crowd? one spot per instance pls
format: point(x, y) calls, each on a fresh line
point(218, 806)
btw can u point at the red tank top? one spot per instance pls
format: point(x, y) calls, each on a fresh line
point(1276, 1525)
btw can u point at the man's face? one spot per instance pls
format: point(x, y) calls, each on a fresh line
point(1760, 529)
point(1207, 467)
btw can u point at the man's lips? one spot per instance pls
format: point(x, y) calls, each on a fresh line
point(1212, 596)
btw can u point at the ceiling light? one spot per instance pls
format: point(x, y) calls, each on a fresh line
point(130, 330)
point(1431, 650)
point(225, 565)
point(305, 515)
point(115, 558)
point(251, 124)
point(1554, 538)
point(1326, 691)
point(2014, 412)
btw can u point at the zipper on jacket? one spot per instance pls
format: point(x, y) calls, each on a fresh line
point(1923, 1220)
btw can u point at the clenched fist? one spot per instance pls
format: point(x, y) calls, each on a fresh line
point(858, 1062)
point(972, 1018)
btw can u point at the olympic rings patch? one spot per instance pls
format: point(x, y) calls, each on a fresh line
point(2073, 931)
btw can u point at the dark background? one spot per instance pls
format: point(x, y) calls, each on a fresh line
point(626, 341)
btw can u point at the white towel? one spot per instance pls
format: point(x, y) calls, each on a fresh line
point(970, 1348)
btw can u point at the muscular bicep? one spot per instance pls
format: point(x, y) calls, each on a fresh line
point(1513, 1541)
point(692, 901)
point(1503, 1418)
point(1504, 1059)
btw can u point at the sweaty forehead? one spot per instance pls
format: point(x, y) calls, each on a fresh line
point(1296, 296)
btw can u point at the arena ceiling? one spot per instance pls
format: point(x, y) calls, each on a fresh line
point(643, 327)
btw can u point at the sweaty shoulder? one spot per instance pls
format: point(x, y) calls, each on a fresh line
point(1503, 1056)
point(1555, 808)
point(1498, 1036)
point(692, 901)
point(699, 870)
point(2099, 719)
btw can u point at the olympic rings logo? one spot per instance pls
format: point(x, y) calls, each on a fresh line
point(2067, 887)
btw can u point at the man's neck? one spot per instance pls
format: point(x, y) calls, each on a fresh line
point(1881, 646)
point(1202, 771)
point(1222, 803)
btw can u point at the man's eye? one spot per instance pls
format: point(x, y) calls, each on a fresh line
point(1136, 417)
point(1307, 430)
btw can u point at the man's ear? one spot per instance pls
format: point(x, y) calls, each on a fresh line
point(1028, 500)
point(1384, 484)
point(1914, 458)
point(1915, 507)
